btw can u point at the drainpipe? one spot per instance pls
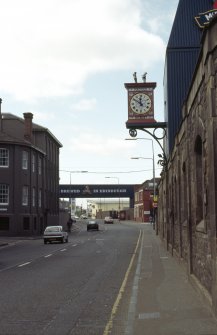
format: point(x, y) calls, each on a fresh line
point(0, 115)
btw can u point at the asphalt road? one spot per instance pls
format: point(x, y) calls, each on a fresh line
point(64, 288)
point(119, 280)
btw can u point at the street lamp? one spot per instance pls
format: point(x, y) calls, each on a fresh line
point(154, 186)
point(148, 139)
point(119, 207)
point(70, 172)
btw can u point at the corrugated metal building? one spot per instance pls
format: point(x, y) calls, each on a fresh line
point(181, 57)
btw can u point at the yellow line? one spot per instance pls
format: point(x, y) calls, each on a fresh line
point(121, 291)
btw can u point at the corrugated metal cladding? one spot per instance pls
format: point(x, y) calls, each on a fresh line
point(181, 58)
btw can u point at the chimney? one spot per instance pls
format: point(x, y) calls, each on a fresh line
point(28, 126)
point(0, 115)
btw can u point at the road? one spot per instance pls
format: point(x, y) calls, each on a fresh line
point(64, 288)
point(119, 280)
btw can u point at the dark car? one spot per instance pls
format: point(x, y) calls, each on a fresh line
point(92, 225)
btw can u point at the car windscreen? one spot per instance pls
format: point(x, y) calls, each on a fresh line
point(52, 229)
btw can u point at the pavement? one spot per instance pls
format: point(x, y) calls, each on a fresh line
point(162, 298)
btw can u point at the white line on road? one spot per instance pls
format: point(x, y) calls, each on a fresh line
point(134, 294)
point(63, 249)
point(47, 256)
point(24, 264)
point(74, 245)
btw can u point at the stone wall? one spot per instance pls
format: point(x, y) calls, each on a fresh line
point(187, 219)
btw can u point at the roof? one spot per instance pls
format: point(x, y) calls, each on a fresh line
point(35, 127)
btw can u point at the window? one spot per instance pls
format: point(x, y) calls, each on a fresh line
point(4, 223)
point(199, 178)
point(26, 223)
point(4, 157)
point(39, 165)
point(4, 194)
point(39, 198)
point(25, 160)
point(35, 223)
point(33, 163)
point(25, 196)
point(33, 197)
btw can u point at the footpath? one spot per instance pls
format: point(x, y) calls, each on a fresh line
point(162, 300)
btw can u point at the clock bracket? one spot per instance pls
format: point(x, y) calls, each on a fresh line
point(154, 127)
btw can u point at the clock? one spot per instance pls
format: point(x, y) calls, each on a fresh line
point(140, 103)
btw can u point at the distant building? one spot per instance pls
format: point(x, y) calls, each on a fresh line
point(143, 202)
point(29, 176)
point(107, 207)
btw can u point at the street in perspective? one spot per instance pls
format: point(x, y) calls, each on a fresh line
point(115, 280)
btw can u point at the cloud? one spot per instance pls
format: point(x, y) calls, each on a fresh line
point(51, 47)
point(84, 105)
point(98, 145)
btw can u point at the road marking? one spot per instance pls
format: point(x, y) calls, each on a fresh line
point(47, 256)
point(134, 294)
point(148, 316)
point(24, 264)
point(109, 325)
point(63, 250)
point(74, 245)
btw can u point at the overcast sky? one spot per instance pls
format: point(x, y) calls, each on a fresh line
point(66, 61)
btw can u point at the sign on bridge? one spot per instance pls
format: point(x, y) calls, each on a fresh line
point(96, 191)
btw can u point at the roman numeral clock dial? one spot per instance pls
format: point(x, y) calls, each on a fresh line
point(140, 103)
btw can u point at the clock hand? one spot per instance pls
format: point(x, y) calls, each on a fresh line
point(139, 101)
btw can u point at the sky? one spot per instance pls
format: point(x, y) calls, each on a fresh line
point(66, 61)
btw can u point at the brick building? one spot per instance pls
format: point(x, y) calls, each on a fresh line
point(143, 201)
point(29, 176)
point(187, 210)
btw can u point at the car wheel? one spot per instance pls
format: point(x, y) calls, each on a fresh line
point(62, 240)
point(67, 240)
point(45, 242)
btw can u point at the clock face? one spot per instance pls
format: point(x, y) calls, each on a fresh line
point(140, 103)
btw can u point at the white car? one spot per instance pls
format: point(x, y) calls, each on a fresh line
point(108, 219)
point(55, 233)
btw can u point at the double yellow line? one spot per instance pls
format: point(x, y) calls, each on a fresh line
point(121, 291)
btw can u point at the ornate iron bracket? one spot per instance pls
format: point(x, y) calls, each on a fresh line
point(158, 125)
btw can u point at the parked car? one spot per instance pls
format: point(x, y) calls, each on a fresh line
point(92, 225)
point(108, 219)
point(83, 217)
point(55, 233)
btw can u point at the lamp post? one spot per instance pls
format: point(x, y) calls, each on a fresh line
point(154, 187)
point(148, 139)
point(70, 173)
point(119, 207)
point(154, 190)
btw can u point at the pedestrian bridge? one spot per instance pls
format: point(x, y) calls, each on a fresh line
point(98, 191)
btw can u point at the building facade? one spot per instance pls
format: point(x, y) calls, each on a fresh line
point(29, 176)
point(187, 211)
point(144, 209)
